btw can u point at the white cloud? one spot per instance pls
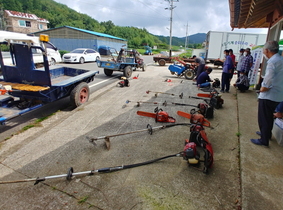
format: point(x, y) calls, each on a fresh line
point(202, 15)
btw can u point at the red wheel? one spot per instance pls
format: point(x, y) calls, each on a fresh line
point(80, 94)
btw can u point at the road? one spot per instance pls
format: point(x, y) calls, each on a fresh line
point(101, 80)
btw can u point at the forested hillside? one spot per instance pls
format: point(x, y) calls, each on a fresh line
point(59, 15)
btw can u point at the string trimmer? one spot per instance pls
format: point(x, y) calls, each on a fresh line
point(149, 129)
point(199, 137)
point(144, 102)
point(214, 101)
point(156, 93)
point(189, 153)
point(205, 109)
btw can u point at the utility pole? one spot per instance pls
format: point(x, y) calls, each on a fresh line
point(171, 18)
point(186, 36)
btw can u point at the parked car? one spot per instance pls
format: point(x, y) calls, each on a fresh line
point(81, 55)
point(53, 54)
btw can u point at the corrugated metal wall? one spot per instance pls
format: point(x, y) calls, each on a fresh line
point(69, 39)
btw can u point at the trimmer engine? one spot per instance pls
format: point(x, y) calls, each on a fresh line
point(190, 152)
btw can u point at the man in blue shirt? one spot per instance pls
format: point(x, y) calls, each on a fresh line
point(226, 73)
point(203, 79)
point(271, 92)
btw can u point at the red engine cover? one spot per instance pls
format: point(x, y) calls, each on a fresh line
point(164, 117)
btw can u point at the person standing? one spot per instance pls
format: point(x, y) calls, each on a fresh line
point(247, 61)
point(226, 73)
point(240, 61)
point(271, 92)
point(233, 57)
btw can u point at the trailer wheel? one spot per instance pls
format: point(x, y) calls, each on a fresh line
point(108, 72)
point(161, 62)
point(79, 94)
point(189, 74)
point(128, 71)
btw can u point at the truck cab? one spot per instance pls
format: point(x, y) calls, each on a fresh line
point(53, 55)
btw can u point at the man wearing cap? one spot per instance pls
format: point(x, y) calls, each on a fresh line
point(240, 61)
point(271, 92)
point(242, 83)
point(247, 61)
point(204, 79)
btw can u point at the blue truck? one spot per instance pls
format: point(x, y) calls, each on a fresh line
point(24, 88)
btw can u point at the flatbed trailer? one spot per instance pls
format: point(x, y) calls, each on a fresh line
point(25, 88)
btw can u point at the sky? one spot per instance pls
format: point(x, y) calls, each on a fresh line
point(189, 16)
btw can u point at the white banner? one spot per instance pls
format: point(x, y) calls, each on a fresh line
point(257, 58)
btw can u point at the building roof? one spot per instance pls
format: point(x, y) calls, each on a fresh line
point(25, 16)
point(87, 31)
point(255, 13)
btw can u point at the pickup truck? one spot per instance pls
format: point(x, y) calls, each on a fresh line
point(53, 54)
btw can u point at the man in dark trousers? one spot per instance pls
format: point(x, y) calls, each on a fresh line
point(271, 92)
point(203, 79)
point(226, 73)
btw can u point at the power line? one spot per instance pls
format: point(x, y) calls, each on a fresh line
point(171, 19)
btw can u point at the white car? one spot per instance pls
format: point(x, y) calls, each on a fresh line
point(81, 55)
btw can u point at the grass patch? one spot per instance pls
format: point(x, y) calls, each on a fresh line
point(36, 123)
point(238, 134)
point(83, 199)
point(27, 127)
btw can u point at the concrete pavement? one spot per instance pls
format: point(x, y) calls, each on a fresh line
point(243, 176)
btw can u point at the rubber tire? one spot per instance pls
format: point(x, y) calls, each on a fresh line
point(79, 95)
point(128, 71)
point(52, 62)
point(82, 60)
point(189, 74)
point(143, 67)
point(161, 62)
point(108, 72)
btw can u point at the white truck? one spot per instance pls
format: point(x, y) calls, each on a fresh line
point(199, 53)
point(53, 54)
point(218, 41)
